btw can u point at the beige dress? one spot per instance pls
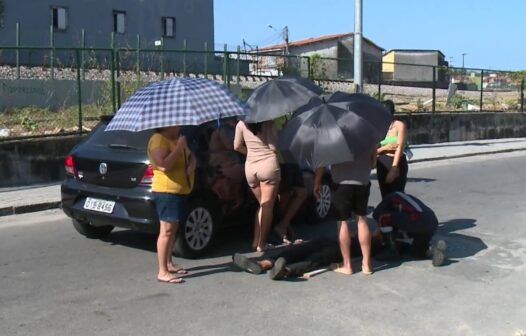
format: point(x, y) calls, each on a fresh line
point(262, 164)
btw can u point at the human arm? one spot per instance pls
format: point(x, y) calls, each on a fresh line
point(165, 158)
point(225, 137)
point(388, 148)
point(394, 171)
point(271, 133)
point(191, 164)
point(239, 141)
point(373, 158)
point(318, 176)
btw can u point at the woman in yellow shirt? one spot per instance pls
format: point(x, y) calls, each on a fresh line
point(173, 177)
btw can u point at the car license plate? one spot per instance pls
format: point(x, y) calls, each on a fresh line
point(99, 205)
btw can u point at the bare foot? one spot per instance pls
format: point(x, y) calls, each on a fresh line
point(174, 268)
point(367, 270)
point(169, 278)
point(338, 268)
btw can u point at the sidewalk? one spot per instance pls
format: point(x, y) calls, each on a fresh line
point(19, 200)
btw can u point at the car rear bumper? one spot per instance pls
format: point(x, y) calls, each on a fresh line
point(133, 208)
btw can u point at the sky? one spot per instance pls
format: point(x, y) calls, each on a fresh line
point(490, 33)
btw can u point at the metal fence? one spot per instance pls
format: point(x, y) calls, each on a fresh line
point(50, 90)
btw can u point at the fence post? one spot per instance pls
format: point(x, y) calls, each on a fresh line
point(138, 61)
point(434, 90)
point(52, 51)
point(206, 59)
point(118, 66)
point(79, 88)
point(309, 70)
point(238, 65)
point(162, 58)
point(481, 88)
point(83, 46)
point(522, 95)
point(112, 78)
point(380, 81)
point(17, 51)
point(226, 70)
point(184, 57)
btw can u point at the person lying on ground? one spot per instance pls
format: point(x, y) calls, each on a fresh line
point(407, 225)
point(298, 259)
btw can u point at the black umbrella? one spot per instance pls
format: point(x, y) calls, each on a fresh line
point(323, 133)
point(278, 97)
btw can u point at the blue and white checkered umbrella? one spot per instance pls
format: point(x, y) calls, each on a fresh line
point(176, 102)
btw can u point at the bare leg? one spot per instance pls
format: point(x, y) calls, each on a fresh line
point(364, 236)
point(164, 250)
point(344, 238)
point(294, 202)
point(268, 196)
point(257, 228)
point(172, 267)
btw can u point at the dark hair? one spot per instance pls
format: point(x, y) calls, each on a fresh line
point(254, 127)
point(390, 105)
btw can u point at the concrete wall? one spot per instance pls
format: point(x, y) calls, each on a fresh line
point(34, 161)
point(143, 18)
point(42, 160)
point(446, 127)
point(46, 94)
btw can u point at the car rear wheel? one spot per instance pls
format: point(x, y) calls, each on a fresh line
point(196, 232)
point(86, 229)
point(322, 205)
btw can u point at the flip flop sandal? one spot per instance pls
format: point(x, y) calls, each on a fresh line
point(179, 270)
point(172, 281)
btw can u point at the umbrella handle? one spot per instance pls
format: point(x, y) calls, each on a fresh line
point(185, 174)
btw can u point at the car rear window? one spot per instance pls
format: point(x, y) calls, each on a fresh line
point(124, 139)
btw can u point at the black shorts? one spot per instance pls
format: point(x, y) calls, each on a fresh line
point(349, 198)
point(291, 177)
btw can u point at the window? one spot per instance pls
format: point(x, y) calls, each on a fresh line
point(59, 18)
point(119, 22)
point(168, 26)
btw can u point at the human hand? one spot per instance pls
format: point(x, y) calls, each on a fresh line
point(391, 147)
point(317, 190)
point(190, 168)
point(181, 142)
point(393, 173)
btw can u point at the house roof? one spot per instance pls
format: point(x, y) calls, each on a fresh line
point(312, 40)
point(415, 51)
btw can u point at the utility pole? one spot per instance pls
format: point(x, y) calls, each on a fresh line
point(463, 54)
point(286, 38)
point(358, 80)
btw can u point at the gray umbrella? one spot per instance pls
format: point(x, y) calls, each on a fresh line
point(322, 133)
point(278, 97)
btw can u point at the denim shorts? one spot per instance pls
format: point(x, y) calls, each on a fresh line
point(170, 207)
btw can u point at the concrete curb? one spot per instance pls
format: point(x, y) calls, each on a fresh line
point(448, 157)
point(21, 209)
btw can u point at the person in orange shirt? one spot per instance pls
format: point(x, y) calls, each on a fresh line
point(173, 177)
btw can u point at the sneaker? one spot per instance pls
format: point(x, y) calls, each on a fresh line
point(246, 264)
point(438, 254)
point(279, 270)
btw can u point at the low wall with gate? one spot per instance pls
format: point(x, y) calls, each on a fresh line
point(38, 161)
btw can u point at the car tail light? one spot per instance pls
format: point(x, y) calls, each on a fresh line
point(148, 175)
point(69, 165)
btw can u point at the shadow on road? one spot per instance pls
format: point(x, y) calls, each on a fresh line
point(459, 245)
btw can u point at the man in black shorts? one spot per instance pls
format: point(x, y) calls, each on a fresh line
point(292, 194)
point(350, 195)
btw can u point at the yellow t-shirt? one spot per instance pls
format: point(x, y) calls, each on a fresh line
point(174, 181)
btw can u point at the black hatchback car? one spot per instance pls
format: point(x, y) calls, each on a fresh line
point(108, 184)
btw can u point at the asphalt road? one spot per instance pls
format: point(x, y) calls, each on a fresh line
point(55, 282)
